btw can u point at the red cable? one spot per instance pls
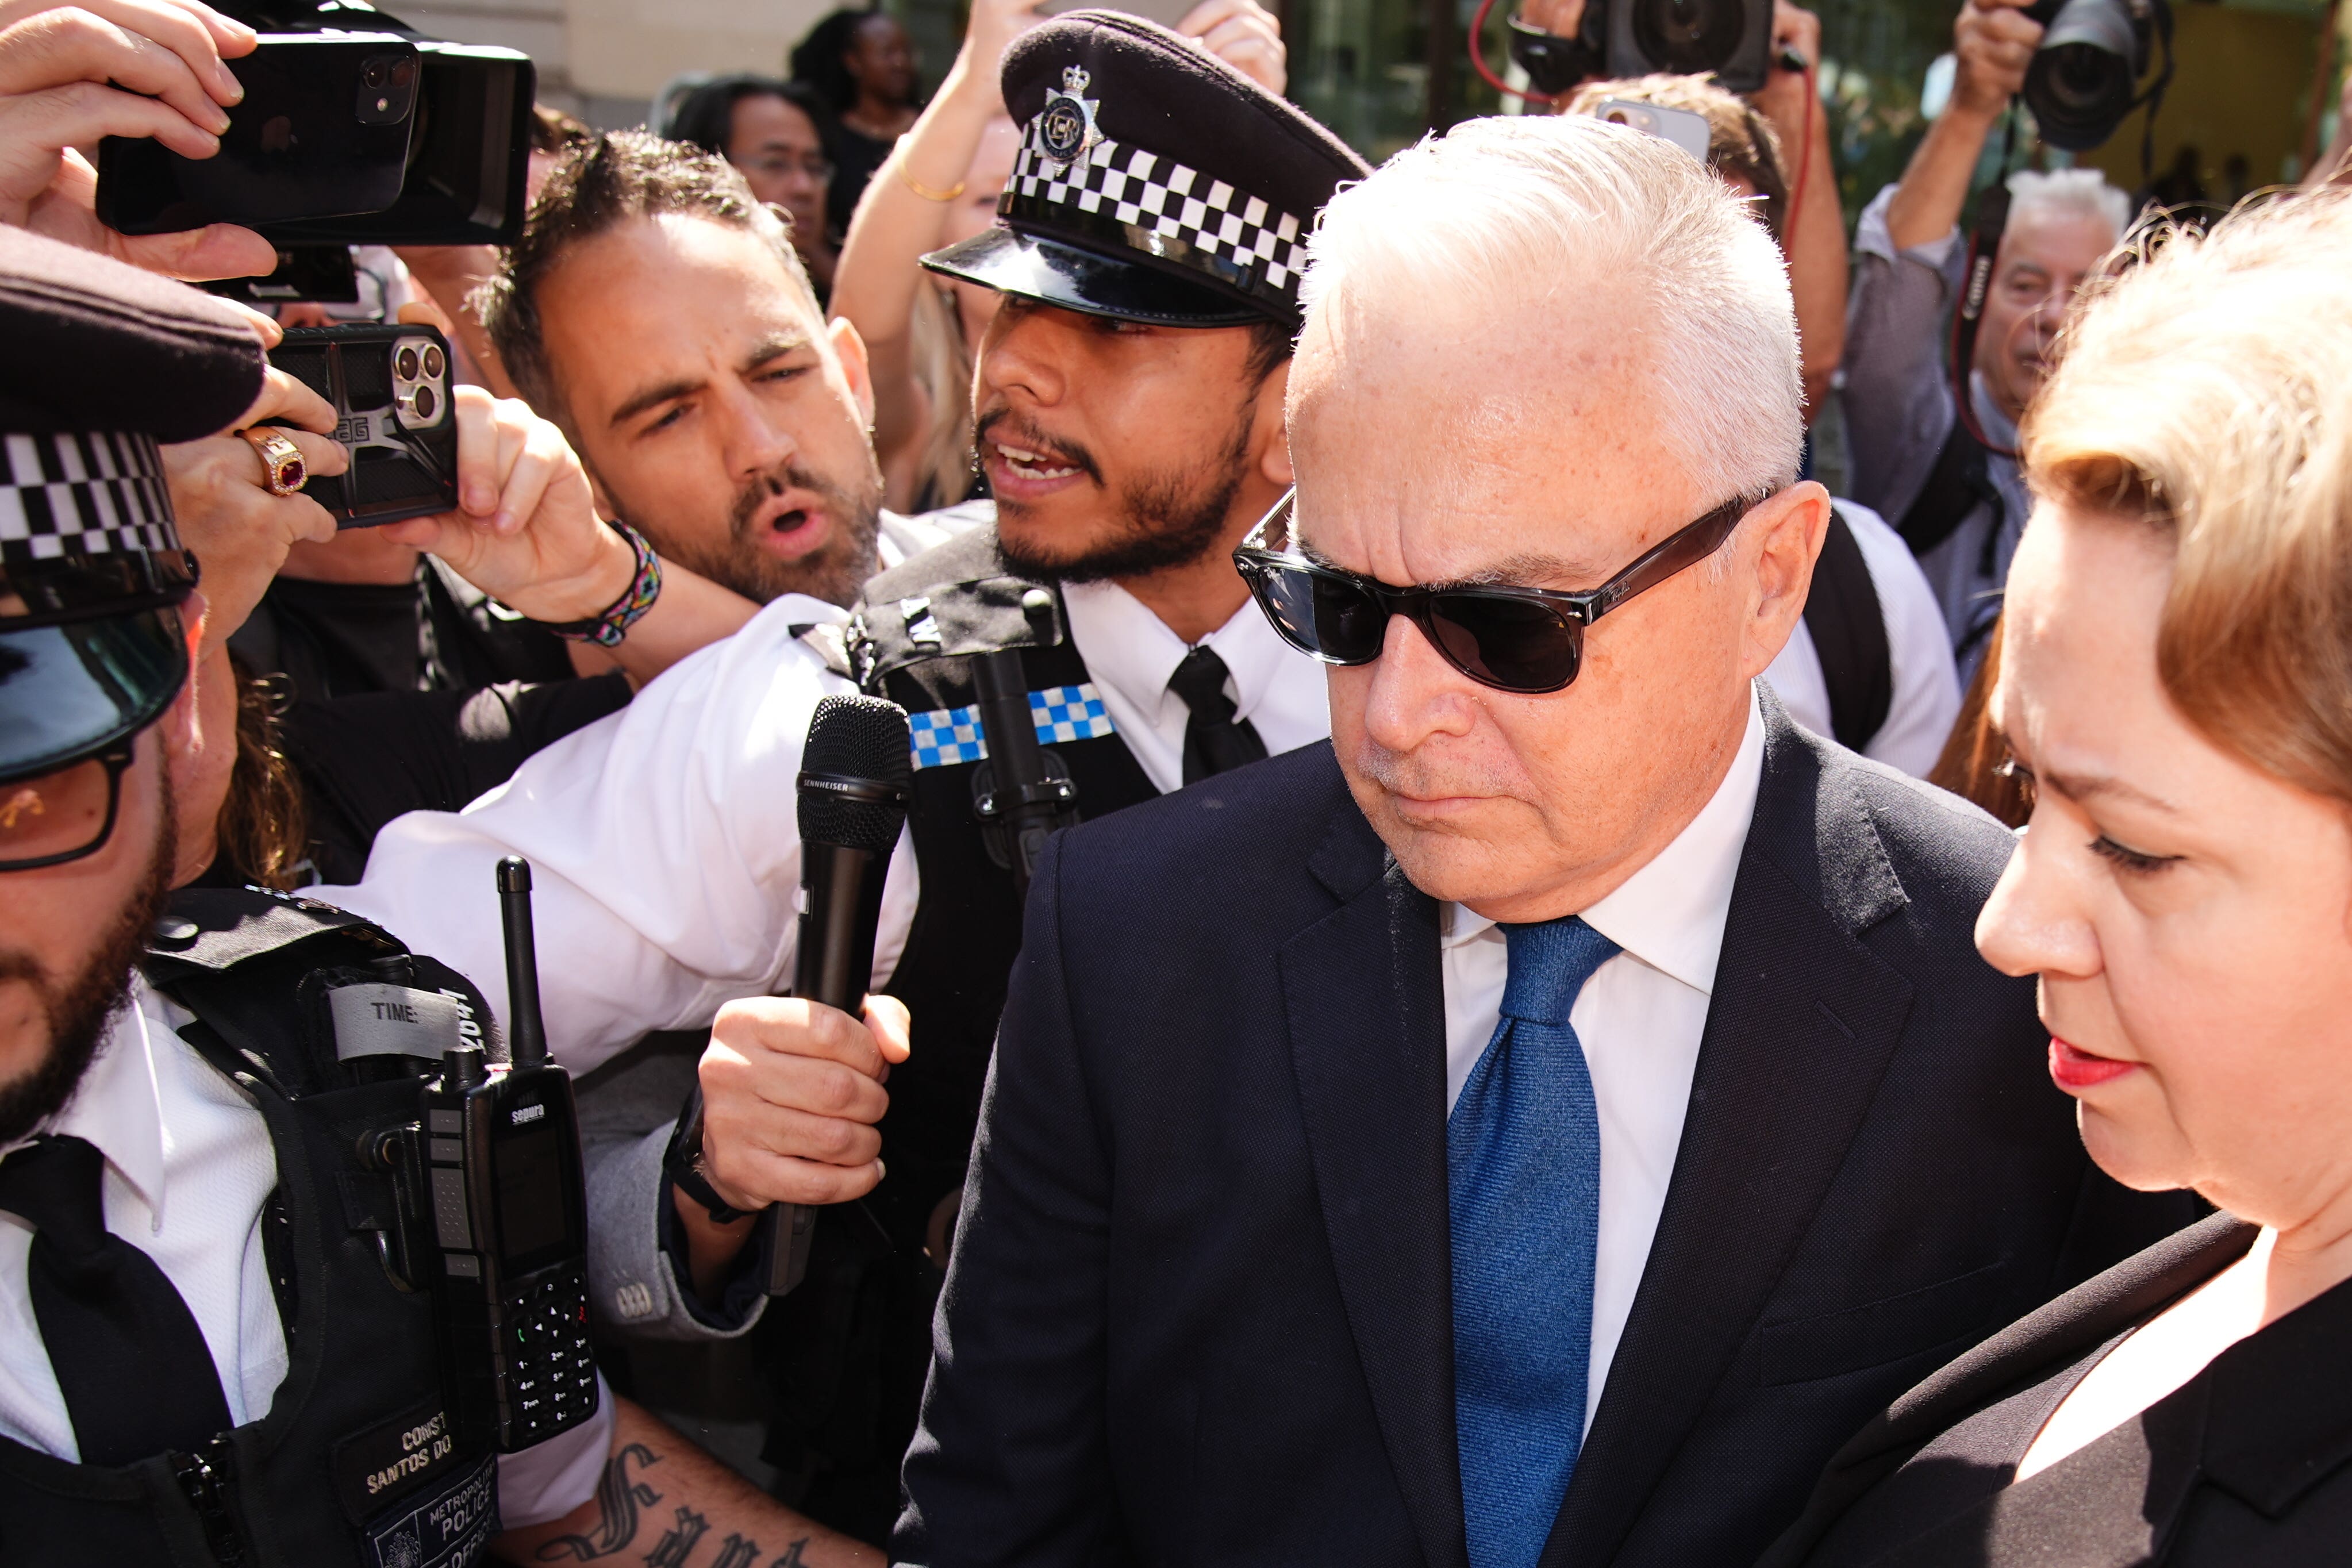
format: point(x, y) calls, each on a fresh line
point(1486, 72)
point(1805, 167)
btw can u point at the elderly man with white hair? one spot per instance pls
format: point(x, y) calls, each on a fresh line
point(1949, 483)
point(1541, 1126)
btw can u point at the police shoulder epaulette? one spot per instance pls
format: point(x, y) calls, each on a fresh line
point(217, 929)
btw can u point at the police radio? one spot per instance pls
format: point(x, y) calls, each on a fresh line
point(500, 1169)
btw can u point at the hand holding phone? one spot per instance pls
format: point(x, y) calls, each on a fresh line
point(525, 528)
point(70, 77)
point(389, 387)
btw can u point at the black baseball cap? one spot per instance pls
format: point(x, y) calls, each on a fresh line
point(1155, 184)
point(104, 361)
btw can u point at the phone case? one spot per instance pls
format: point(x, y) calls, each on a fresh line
point(389, 387)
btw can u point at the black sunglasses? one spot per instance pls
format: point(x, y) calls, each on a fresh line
point(1527, 641)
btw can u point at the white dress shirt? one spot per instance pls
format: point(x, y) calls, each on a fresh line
point(1926, 685)
point(1638, 1019)
point(1131, 655)
point(189, 1165)
point(664, 838)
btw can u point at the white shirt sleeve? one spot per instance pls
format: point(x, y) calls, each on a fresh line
point(1918, 646)
point(664, 849)
point(549, 1479)
point(1926, 697)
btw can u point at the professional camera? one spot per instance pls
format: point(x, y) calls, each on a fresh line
point(355, 129)
point(1731, 39)
point(2086, 77)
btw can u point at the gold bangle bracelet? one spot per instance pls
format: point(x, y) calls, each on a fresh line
point(922, 190)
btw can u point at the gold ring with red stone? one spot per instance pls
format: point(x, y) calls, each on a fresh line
point(282, 467)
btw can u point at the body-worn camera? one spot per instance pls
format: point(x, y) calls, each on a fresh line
point(355, 129)
point(390, 388)
point(1730, 39)
point(492, 1203)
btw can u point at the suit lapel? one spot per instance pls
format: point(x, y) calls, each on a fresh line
point(1802, 1024)
point(1363, 998)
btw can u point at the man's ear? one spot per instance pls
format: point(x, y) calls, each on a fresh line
point(1786, 530)
point(850, 349)
point(1269, 437)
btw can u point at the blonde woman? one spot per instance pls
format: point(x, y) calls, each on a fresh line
point(2176, 687)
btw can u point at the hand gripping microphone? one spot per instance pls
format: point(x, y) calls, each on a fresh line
point(855, 774)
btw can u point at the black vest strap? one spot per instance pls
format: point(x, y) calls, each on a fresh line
point(1956, 485)
point(1849, 629)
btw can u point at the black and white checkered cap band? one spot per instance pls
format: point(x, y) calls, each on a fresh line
point(1139, 200)
point(67, 497)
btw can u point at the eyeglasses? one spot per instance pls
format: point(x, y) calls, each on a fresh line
point(61, 815)
point(1524, 640)
point(775, 163)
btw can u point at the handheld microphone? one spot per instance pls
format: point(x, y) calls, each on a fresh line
point(856, 771)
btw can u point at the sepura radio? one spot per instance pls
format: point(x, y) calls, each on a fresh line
point(498, 1217)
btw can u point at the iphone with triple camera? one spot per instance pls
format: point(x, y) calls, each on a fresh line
point(323, 130)
point(390, 386)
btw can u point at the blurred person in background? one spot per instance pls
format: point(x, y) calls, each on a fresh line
point(861, 64)
point(1813, 238)
point(768, 129)
point(938, 188)
point(1949, 483)
point(2176, 697)
point(1870, 664)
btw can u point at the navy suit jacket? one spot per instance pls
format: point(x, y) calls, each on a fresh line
point(1199, 1307)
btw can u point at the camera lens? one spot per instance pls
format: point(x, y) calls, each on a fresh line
point(434, 364)
point(377, 73)
point(407, 365)
point(1687, 36)
point(425, 403)
point(2083, 80)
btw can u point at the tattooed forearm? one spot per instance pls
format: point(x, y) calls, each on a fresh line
point(618, 1501)
point(690, 1513)
point(676, 1544)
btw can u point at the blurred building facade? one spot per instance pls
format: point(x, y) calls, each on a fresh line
point(2255, 92)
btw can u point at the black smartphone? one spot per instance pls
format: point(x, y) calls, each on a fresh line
point(323, 130)
point(390, 386)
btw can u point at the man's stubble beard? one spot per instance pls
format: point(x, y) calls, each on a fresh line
point(836, 572)
point(80, 1010)
point(1167, 520)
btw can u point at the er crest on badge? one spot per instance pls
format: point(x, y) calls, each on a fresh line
point(1066, 127)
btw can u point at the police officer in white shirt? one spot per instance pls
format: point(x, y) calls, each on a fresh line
point(1128, 403)
point(203, 1357)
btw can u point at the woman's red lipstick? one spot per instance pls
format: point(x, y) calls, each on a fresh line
point(2073, 1068)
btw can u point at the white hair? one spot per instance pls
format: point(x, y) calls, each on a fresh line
point(1508, 213)
point(2074, 193)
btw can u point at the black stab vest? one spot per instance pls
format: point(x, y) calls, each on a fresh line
point(852, 1346)
point(354, 1463)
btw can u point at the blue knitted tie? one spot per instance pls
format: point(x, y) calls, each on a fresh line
point(1523, 1170)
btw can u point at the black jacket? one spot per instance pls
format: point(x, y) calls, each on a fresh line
point(1199, 1309)
point(2248, 1465)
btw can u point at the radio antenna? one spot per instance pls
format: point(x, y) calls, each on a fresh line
point(526, 1031)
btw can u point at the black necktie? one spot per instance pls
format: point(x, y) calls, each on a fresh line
point(1213, 739)
point(134, 1368)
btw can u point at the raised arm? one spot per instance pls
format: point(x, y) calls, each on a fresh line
point(903, 216)
point(1993, 41)
point(1814, 232)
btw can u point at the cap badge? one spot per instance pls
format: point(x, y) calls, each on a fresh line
point(1065, 128)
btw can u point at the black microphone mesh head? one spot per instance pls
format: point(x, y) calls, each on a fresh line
point(856, 738)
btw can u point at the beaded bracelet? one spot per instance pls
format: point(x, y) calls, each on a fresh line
point(645, 586)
